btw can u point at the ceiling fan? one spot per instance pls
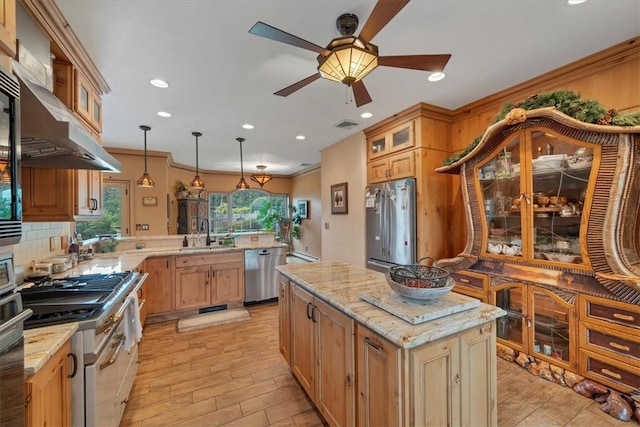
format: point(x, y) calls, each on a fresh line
point(348, 59)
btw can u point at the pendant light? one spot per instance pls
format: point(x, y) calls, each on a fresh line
point(197, 183)
point(261, 178)
point(242, 184)
point(145, 180)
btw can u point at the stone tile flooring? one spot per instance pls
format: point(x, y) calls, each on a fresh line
point(233, 375)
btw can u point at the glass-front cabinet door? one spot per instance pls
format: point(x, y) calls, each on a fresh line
point(550, 326)
point(533, 190)
point(512, 298)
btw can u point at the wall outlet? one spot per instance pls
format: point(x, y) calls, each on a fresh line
point(64, 243)
point(254, 238)
point(52, 244)
point(138, 227)
point(326, 225)
point(145, 226)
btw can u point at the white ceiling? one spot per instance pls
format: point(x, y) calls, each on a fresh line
point(221, 76)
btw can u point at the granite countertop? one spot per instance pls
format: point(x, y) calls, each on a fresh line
point(340, 284)
point(41, 344)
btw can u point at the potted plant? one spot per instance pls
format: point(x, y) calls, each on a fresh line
point(182, 191)
point(272, 216)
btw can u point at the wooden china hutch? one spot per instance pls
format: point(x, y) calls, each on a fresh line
point(553, 237)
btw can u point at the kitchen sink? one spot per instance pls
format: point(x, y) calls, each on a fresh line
point(213, 248)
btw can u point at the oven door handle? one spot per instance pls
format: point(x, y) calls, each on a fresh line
point(75, 365)
point(115, 319)
point(14, 321)
point(114, 356)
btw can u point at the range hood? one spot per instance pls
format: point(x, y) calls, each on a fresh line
point(51, 136)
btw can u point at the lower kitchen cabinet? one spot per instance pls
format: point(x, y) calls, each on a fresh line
point(284, 316)
point(378, 372)
point(208, 279)
point(48, 392)
point(159, 285)
point(322, 356)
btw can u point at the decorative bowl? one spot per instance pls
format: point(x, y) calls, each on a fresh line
point(419, 276)
point(420, 293)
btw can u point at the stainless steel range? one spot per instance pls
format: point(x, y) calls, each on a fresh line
point(106, 309)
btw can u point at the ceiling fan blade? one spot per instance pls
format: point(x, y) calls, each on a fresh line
point(267, 31)
point(416, 62)
point(296, 86)
point(383, 12)
point(360, 93)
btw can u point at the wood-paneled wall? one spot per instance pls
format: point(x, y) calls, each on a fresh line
point(611, 77)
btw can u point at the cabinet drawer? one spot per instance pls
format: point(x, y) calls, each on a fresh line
point(619, 375)
point(470, 281)
point(614, 344)
point(208, 259)
point(610, 313)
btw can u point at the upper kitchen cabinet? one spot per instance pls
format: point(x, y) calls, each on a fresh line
point(87, 102)
point(396, 139)
point(8, 28)
point(61, 194)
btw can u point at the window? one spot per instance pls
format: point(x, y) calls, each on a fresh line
point(115, 212)
point(239, 211)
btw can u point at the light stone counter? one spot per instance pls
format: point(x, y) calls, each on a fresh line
point(339, 284)
point(41, 344)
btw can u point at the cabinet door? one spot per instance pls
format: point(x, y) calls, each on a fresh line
point(377, 146)
point(401, 137)
point(284, 319)
point(49, 392)
point(512, 328)
point(551, 328)
point(8, 27)
point(435, 376)
point(478, 385)
point(378, 171)
point(82, 104)
point(89, 191)
point(48, 194)
point(302, 339)
point(193, 287)
point(228, 283)
point(378, 389)
point(335, 380)
point(402, 165)
point(160, 286)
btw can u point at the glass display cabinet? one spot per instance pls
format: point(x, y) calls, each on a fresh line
point(533, 191)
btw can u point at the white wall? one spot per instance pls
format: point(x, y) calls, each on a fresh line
point(345, 161)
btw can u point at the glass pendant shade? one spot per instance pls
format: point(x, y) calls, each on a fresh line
point(145, 180)
point(261, 178)
point(350, 60)
point(197, 183)
point(5, 176)
point(242, 184)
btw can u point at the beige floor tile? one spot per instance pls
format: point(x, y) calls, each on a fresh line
point(267, 400)
point(308, 418)
point(257, 419)
point(288, 408)
point(245, 393)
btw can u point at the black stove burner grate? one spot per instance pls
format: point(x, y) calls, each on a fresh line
point(47, 319)
point(88, 281)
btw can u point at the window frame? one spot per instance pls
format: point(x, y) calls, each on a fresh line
point(221, 197)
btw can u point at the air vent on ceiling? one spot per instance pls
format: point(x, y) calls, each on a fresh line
point(346, 124)
point(304, 165)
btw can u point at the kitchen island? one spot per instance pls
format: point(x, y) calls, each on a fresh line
point(363, 365)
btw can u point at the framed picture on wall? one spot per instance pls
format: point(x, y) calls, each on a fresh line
point(339, 199)
point(149, 201)
point(303, 208)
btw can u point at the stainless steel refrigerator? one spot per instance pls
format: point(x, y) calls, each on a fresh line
point(391, 224)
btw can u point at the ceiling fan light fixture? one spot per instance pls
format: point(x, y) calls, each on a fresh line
point(436, 77)
point(197, 183)
point(261, 177)
point(145, 180)
point(242, 184)
point(349, 61)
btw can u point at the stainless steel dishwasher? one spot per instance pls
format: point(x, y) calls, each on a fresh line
point(260, 275)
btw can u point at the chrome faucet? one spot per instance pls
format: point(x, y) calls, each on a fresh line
point(204, 222)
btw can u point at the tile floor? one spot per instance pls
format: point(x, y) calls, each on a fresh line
point(233, 375)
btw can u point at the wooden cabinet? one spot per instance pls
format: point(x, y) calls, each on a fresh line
point(412, 144)
point(8, 28)
point(471, 284)
point(191, 212)
point(378, 372)
point(159, 285)
point(142, 303)
point(609, 340)
point(539, 322)
point(87, 101)
point(464, 365)
point(397, 138)
point(50, 194)
point(322, 356)
point(401, 165)
point(48, 392)
point(209, 279)
point(284, 318)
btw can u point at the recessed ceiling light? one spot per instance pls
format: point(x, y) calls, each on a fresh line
point(366, 115)
point(159, 83)
point(164, 114)
point(247, 126)
point(574, 2)
point(437, 76)
point(300, 137)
